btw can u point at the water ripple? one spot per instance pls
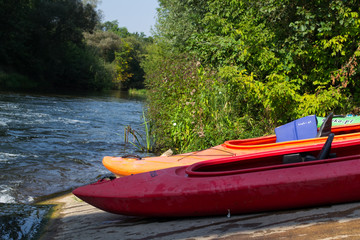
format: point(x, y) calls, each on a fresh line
point(53, 143)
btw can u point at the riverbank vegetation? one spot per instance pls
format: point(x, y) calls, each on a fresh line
point(214, 69)
point(57, 44)
point(233, 69)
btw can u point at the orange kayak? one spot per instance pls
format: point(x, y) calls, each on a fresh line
point(123, 166)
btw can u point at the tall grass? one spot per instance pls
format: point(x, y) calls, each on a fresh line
point(144, 143)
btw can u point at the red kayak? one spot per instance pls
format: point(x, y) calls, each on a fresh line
point(282, 179)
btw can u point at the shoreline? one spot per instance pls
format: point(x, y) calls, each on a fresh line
point(52, 218)
point(72, 218)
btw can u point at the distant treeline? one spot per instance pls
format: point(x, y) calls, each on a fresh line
point(225, 69)
point(62, 44)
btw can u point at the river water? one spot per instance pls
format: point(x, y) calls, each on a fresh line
point(53, 143)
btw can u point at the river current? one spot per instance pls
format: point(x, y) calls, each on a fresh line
point(54, 143)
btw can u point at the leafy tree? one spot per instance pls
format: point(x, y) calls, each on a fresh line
point(93, 3)
point(124, 54)
point(47, 42)
point(13, 32)
point(113, 27)
point(178, 20)
point(278, 60)
point(124, 50)
point(105, 44)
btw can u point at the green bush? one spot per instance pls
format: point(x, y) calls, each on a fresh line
point(192, 108)
point(235, 69)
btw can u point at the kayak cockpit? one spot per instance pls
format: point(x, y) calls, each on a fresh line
point(275, 160)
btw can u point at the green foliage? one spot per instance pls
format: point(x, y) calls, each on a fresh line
point(105, 44)
point(178, 20)
point(273, 61)
point(122, 66)
point(190, 107)
point(43, 41)
point(113, 27)
point(123, 50)
point(138, 45)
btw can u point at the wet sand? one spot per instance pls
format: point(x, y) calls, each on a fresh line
point(75, 219)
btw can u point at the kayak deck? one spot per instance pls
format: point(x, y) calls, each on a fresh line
point(243, 184)
point(123, 166)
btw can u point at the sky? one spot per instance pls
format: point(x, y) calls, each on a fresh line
point(136, 15)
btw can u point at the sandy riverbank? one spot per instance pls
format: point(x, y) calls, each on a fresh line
point(74, 219)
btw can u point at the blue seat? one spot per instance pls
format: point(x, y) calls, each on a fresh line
point(301, 128)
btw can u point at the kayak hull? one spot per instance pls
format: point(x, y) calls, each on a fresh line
point(124, 166)
point(246, 184)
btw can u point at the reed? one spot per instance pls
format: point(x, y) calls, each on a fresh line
point(143, 142)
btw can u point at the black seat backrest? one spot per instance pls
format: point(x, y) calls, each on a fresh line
point(325, 128)
point(325, 151)
point(305, 157)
